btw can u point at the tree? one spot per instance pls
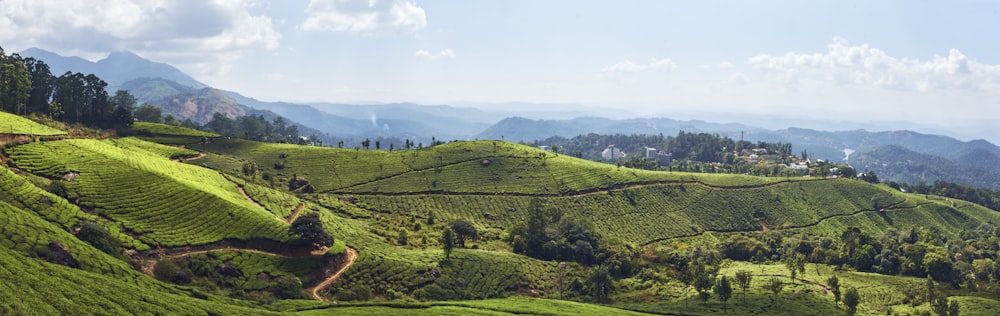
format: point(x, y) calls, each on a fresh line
point(795, 264)
point(100, 238)
point(464, 229)
point(447, 242)
point(774, 285)
point(834, 285)
point(940, 305)
point(953, 308)
point(149, 113)
point(600, 284)
point(851, 300)
point(702, 282)
point(743, 279)
point(124, 104)
point(724, 290)
point(309, 228)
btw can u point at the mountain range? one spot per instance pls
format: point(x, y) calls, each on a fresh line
point(892, 154)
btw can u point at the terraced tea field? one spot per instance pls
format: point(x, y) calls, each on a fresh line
point(161, 202)
point(11, 124)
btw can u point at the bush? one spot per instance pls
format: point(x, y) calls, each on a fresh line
point(100, 238)
point(165, 270)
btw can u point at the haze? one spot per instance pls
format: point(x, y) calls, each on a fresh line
point(936, 64)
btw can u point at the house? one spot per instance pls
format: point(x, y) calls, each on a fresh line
point(612, 153)
point(650, 152)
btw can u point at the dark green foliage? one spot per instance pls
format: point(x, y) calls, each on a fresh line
point(851, 300)
point(447, 242)
point(549, 235)
point(287, 287)
point(743, 279)
point(100, 238)
point(309, 230)
point(149, 113)
point(600, 285)
point(869, 177)
point(953, 308)
point(703, 281)
point(940, 305)
point(166, 270)
point(834, 284)
point(463, 229)
point(723, 290)
point(774, 285)
point(58, 188)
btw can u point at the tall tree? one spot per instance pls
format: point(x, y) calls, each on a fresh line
point(149, 113)
point(124, 104)
point(15, 84)
point(447, 242)
point(834, 285)
point(851, 300)
point(743, 278)
point(41, 85)
point(600, 284)
point(310, 230)
point(774, 285)
point(724, 290)
point(464, 229)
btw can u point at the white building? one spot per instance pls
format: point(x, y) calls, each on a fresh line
point(650, 152)
point(612, 153)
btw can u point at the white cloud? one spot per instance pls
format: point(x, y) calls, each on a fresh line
point(193, 33)
point(445, 53)
point(739, 78)
point(846, 64)
point(365, 17)
point(725, 65)
point(627, 66)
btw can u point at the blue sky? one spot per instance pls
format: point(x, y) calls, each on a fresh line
point(924, 61)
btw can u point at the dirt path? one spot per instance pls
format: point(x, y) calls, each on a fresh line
point(199, 156)
point(148, 265)
point(351, 256)
point(295, 214)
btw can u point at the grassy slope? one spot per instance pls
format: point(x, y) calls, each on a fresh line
point(169, 130)
point(641, 207)
point(167, 203)
point(453, 167)
point(13, 124)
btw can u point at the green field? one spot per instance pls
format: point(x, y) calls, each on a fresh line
point(155, 197)
point(160, 129)
point(16, 125)
point(162, 202)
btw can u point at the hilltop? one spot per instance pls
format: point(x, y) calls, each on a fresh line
point(201, 223)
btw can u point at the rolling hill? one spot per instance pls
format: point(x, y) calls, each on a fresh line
point(200, 233)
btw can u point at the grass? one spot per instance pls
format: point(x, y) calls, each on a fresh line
point(504, 306)
point(162, 202)
point(485, 167)
point(367, 198)
point(160, 129)
point(18, 125)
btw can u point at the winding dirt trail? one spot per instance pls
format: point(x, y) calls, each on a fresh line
point(295, 214)
point(351, 256)
point(147, 266)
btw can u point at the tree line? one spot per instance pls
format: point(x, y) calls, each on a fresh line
point(27, 86)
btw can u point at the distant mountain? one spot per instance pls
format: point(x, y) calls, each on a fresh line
point(899, 164)
point(523, 129)
point(115, 69)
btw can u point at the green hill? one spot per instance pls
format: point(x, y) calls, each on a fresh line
point(17, 125)
point(208, 233)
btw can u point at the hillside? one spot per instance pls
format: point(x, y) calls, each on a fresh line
point(899, 164)
point(173, 218)
point(17, 125)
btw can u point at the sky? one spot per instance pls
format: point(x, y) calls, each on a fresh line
point(933, 62)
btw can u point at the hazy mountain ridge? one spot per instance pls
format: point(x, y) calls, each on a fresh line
point(115, 69)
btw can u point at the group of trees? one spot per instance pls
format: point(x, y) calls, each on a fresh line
point(27, 86)
point(257, 128)
point(701, 147)
point(984, 197)
point(548, 234)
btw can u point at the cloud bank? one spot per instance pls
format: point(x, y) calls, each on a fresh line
point(365, 17)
